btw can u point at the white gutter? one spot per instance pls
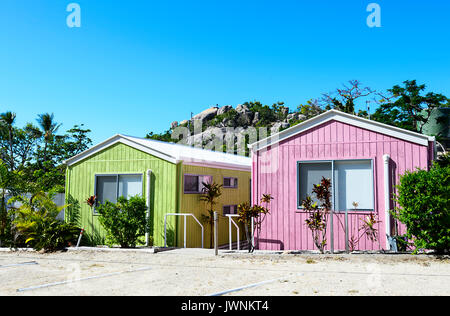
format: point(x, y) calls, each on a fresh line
point(387, 200)
point(148, 195)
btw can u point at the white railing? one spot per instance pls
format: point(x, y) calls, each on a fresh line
point(230, 220)
point(185, 215)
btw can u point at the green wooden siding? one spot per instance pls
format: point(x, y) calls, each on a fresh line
point(122, 159)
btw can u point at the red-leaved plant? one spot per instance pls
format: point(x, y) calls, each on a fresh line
point(319, 213)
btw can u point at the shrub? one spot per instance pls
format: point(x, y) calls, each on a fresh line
point(424, 200)
point(318, 214)
point(125, 221)
point(257, 213)
point(443, 160)
point(35, 222)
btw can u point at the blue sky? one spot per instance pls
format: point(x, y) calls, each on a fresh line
point(135, 66)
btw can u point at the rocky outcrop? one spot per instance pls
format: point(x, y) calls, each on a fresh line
point(230, 121)
point(206, 115)
point(224, 109)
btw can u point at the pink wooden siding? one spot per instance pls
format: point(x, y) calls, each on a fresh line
point(275, 172)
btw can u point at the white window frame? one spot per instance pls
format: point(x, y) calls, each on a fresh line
point(233, 180)
point(234, 208)
point(117, 175)
point(200, 186)
point(333, 195)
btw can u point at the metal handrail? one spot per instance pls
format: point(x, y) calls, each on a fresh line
point(185, 215)
point(230, 220)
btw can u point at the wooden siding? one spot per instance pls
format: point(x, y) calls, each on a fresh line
point(119, 159)
point(190, 203)
point(275, 171)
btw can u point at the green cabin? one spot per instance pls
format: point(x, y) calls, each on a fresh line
point(170, 178)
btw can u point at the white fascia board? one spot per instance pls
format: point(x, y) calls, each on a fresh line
point(344, 118)
point(112, 141)
point(217, 165)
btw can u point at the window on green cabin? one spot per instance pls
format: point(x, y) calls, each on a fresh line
point(111, 187)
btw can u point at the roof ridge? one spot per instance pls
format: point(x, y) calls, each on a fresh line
point(184, 145)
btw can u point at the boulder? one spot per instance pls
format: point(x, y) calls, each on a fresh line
point(275, 128)
point(245, 115)
point(206, 115)
point(255, 118)
point(278, 127)
point(285, 125)
point(224, 109)
point(184, 123)
point(242, 108)
point(292, 116)
point(284, 110)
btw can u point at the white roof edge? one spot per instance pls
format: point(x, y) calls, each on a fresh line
point(118, 138)
point(240, 163)
point(345, 118)
point(85, 153)
point(219, 165)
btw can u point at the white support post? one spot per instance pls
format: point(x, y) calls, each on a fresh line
point(387, 200)
point(149, 178)
point(216, 235)
point(230, 238)
point(185, 215)
point(184, 231)
point(253, 234)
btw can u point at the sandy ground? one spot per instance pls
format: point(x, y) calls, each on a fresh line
point(197, 272)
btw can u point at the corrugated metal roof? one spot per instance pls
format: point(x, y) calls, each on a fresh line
point(344, 118)
point(189, 153)
point(172, 152)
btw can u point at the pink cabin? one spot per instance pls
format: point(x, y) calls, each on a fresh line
point(364, 160)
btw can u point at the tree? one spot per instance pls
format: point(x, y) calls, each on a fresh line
point(267, 114)
point(75, 141)
point(211, 192)
point(344, 99)
point(8, 119)
point(25, 142)
point(49, 128)
point(406, 107)
point(5, 185)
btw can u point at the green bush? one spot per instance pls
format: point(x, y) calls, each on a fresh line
point(125, 221)
point(36, 225)
point(424, 200)
point(443, 160)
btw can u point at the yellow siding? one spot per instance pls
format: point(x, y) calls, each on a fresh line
point(190, 203)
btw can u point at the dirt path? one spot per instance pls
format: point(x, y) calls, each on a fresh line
point(195, 272)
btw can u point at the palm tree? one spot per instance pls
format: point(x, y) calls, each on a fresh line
point(49, 128)
point(8, 119)
point(211, 192)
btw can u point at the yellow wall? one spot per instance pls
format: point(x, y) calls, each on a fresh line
point(190, 203)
